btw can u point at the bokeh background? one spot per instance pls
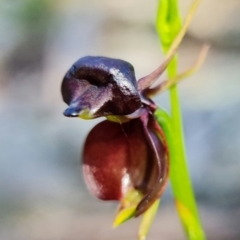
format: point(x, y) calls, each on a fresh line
point(42, 194)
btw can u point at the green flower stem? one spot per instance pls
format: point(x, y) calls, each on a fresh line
point(179, 176)
point(180, 181)
point(168, 25)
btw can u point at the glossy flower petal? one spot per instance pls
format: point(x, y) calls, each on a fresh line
point(118, 157)
point(100, 86)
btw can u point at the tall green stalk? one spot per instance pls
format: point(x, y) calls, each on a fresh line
point(168, 25)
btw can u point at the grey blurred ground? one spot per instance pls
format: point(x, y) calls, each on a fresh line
point(42, 194)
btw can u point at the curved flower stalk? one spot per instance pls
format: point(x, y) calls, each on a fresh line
point(125, 157)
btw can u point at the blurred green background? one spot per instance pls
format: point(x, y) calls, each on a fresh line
point(42, 193)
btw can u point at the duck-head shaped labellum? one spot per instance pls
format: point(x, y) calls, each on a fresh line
point(100, 86)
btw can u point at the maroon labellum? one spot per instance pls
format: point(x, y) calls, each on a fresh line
point(118, 157)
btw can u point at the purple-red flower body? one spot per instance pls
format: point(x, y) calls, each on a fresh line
point(126, 151)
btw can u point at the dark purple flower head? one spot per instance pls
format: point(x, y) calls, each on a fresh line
point(100, 86)
point(129, 152)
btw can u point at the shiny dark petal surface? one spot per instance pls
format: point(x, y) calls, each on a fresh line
point(158, 145)
point(117, 157)
point(101, 86)
point(105, 158)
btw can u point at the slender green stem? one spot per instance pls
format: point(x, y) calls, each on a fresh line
point(180, 182)
point(167, 26)
point(179, 175)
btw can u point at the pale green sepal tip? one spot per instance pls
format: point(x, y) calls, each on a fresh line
point(124, 215)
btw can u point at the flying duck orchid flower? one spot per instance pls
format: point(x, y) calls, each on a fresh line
point(128, 150)
point(126, 156)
